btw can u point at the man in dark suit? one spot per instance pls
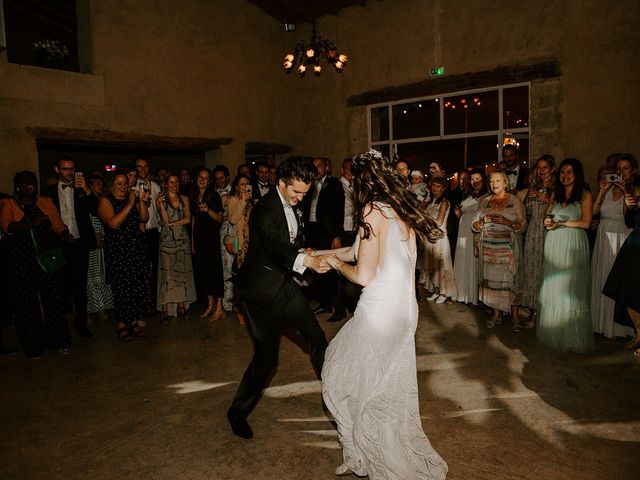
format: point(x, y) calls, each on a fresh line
point(325, 228)
point(517, 175)
point(268, 287)
point(261, 184)
point(74, 200)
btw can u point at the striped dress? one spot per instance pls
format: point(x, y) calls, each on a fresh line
point(99, 295)
point(499, 256)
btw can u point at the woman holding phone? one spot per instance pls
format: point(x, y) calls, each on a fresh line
point(207, 218)
point(612, 232)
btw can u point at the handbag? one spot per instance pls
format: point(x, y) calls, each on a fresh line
point(50, 260)
point(229, 238)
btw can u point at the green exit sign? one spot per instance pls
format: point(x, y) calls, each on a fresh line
point(436, 72)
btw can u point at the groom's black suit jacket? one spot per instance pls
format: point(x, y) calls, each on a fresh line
point(270, 257)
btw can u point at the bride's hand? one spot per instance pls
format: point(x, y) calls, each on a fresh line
point(333, 261)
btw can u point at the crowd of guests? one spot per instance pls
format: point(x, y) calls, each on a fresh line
point(518, 243)
point(526, 242)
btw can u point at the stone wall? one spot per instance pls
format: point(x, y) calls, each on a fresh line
point(211, 69)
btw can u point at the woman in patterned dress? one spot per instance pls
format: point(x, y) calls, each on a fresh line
point(536, 200)
point(99, 295)
point(499, 219)
point(176, 289)
point(124, 213)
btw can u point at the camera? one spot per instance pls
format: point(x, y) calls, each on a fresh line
point(612, 178)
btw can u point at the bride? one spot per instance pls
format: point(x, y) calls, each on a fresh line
point(369, 379)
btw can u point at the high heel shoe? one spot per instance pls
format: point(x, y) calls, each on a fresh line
point(242, 320)
point(207, 312)
point(216, 316)
point(633, 344)
point(182, 313)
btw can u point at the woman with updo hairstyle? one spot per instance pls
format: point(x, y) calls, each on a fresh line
point(564, 323)
point(124, 213)
point(500, 219)
point(465, 265)
point(611, 234)
point(435, 262)
point(369, 378)
point(536, 201)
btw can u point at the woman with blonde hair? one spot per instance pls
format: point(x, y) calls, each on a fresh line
point(500, 219)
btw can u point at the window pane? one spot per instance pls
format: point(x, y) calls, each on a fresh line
point(515, 102)
point(43, 34)
point(379, 124)
point(416, 119)
point(476, 112)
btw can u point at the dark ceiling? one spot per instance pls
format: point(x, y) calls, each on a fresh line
point(303, 11)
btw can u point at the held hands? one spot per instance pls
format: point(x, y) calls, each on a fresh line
point(161, 200)
point(317, 264)
point(630, 201)
point(82, 183)
point(145, 196)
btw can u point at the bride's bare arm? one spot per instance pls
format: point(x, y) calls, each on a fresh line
point(345, 254)
point(368, 252)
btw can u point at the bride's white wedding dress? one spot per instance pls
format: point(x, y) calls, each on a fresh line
point(369, 379)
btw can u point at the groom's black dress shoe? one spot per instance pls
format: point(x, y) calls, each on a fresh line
point(240, 426)
point(322, 309)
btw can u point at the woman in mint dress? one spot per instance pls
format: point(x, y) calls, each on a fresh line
point(565, 321)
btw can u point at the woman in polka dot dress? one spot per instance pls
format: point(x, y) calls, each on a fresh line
point(124, 212)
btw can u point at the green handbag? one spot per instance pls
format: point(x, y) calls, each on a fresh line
point(50, 260)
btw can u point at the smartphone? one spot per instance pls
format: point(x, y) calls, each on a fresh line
point(613, 178)
point(78, 175)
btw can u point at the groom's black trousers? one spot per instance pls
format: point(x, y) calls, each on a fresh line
point(291, 307)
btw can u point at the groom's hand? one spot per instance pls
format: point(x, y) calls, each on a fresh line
point(317, 264)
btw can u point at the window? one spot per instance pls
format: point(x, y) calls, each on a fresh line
point(460, 130)
point(43, 33)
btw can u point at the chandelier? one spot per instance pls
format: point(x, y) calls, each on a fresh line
point(308, 55)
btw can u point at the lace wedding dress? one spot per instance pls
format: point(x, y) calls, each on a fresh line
point(369, 377)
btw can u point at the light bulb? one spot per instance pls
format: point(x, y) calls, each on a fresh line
point(302, 69)
point(342, 58)
point(339, 65)
point(317, 68)
point(288, 65)
point(310, 53)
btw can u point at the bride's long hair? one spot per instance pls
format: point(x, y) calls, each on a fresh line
point(375, 180)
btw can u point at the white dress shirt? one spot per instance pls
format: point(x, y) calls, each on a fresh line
point(513, 177)
point(68, 209)
point(292, 225)
point(314, 199)
point(348, 205)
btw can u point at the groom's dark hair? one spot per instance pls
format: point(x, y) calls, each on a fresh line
point(297, 168)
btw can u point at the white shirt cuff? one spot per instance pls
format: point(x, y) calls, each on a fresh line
point(298, 266)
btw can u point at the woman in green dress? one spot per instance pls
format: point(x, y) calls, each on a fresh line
point(564, 322)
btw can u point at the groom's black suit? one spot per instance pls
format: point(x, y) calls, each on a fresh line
point(272, 297)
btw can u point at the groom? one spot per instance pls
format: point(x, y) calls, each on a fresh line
point(268, 285)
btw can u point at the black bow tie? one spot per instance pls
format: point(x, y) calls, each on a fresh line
point(67, 185)
point(511, 172)
point(263, 185)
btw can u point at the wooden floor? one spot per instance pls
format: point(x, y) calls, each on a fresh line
point(495, 405)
